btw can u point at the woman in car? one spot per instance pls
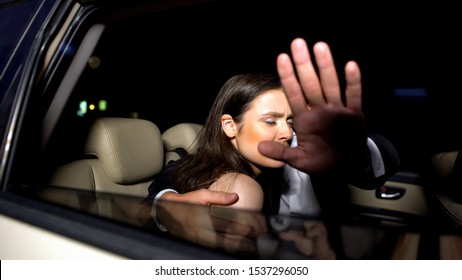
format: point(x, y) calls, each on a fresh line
point(333, 145)
point(333, 148)
point(249, 108)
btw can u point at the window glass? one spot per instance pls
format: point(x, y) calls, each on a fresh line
point(167, 67)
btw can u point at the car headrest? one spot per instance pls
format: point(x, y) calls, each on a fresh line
point(182, 135)
point(130, 150)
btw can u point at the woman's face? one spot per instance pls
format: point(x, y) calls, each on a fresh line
point(269, 118)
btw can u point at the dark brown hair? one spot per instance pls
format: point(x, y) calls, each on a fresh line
point(215, 154)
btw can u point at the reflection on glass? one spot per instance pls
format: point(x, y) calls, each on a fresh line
point(253, 235)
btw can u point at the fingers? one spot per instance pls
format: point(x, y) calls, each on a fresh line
point(317, 91)
point(290, 85)
point(327, 73)
point(277, 151)
point(306, 86)
point(203, 197)
point(210, 197)
point(353, 90)
point(306, 72)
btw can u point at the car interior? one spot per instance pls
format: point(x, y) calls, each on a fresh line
point(126, 88)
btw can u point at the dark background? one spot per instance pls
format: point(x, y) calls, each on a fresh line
point(168, 66)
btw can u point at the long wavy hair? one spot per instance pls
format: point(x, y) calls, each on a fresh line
point(215, 154)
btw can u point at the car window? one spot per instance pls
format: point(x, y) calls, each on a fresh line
point(15, 23)
point(165, 64)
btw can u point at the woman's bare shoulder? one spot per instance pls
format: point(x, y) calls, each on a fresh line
point(248, 189)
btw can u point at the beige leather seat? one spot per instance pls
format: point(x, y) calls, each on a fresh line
point(182, 135)
point(447, 167)
point(125, 155)
point(449, 198)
